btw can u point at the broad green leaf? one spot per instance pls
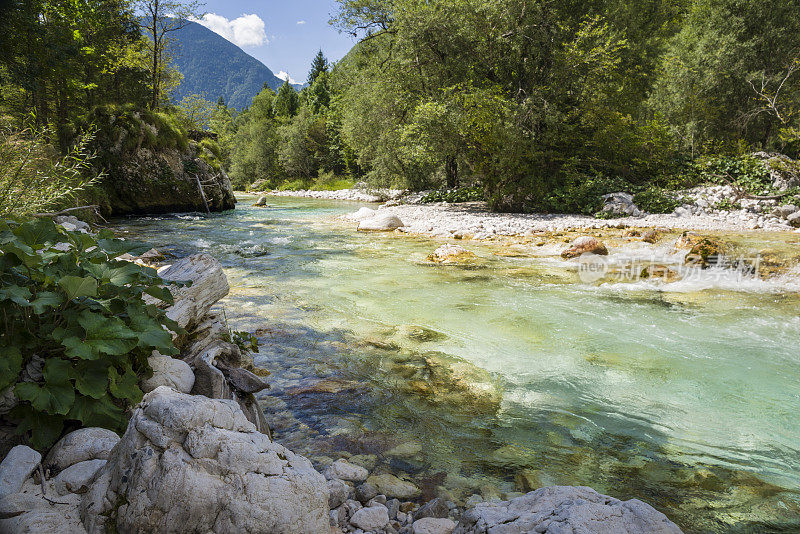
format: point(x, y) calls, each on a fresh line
point(78, 348)
point(78, 286)
point(45, 429)
point(16, 294)
point(107, 335)
point(38, 232)
point(97, 412)
point(161, 293)
point(52, 399)
point(91, 378)
point(117, 247)
point(44, 300)
point(125, 386)
point(57, 371)
point(10, 365)
point(26, 255)
point(121, 275)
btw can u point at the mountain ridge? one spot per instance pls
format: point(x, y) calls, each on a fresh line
point(214, 67)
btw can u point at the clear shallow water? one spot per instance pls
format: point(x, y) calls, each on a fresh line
point(687, 399)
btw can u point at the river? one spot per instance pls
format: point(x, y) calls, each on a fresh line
point(512, 373)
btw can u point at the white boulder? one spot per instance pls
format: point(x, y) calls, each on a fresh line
point(84, 444)
point(209, 284)
point(561, 509)
point(193, 464)
point(17, 466)
point(170, 372)
point(78, 477)
point(362, 214)
point(393, 487)
point(371, 518)
point(344, 470)
point(383, 222)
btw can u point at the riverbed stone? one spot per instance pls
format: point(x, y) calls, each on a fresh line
point(198, 463)
point(382, 222)
point(371, 518)
point(393, 487)
point(338, 492)
point(362, 214)
point(344, 470)
point(433, 525)
point(17, 466)
point(366, 491)
point(92, 443)
point(78, 477)
point(585, 245)
point(564, 509)
point(433, 508)
point(170, 372)
point(794, 219)
point(449, 254)
point(30, 513)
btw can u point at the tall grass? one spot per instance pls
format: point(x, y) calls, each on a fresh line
point(34, 176)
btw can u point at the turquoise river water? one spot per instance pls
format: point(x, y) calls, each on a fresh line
point(511, 374)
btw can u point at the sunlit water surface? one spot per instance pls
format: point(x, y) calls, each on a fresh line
point(514, 373)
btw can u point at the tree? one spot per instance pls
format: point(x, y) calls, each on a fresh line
point(318, 65)
point(287, 101)
point(196, 112)
point(161, 18)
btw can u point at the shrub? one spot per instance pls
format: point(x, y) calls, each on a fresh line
point(34, 177)
point(69, 303)
point(580, 194)
point(745, 172)
point(462, 194)
point(656, 200)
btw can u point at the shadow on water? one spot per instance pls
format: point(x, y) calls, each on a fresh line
point(405, 400)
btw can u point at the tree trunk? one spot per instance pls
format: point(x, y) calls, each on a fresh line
point(451, 171)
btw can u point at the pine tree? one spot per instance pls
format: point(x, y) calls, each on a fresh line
point(318, 66)
point(287, 101)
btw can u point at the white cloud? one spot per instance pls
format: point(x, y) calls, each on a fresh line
point(301, 22)
point(283, 75)
point(247, 30)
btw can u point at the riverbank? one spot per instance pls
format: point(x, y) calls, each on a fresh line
point(473, 220)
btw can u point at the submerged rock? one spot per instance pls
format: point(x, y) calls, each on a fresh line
point(195, 464)
point(393, 487)
point(562, 509)
point(661, 272)
point(584, 245)
point(261, 202)
point(343, 470)
point(383, 222)
point(448, 254)
point(703, 251)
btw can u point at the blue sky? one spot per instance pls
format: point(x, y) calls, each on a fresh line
point(284, 35)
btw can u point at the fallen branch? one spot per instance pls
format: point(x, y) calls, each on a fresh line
point(68, 210)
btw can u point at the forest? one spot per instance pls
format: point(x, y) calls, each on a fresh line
point(530, 105)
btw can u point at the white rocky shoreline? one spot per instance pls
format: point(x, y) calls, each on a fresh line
point(473, 219)
point(198, 456)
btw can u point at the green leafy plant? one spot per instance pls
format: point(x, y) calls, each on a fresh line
point(461, 194)
point(76, 313)
point(247, 342)
point(744, 172)
point(656, 200)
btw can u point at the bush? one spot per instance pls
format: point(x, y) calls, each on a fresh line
point(462, 194)
point(580, 194)
point(327, 181)
point(656, 200)
point(34, 177)
point(745, 172)
point(70, 304)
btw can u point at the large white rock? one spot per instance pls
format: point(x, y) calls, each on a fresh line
point(371, 518)
point(91, 443)
point(78, 477)
point(170, 372)
point(17, 466)
point(362, 214)
point(188, 463)
point(29, 513)
point(563, 509)
point(383, 222)
point(344, 470)
point(209, 284)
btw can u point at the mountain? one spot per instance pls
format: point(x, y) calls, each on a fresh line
point(213, 66)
